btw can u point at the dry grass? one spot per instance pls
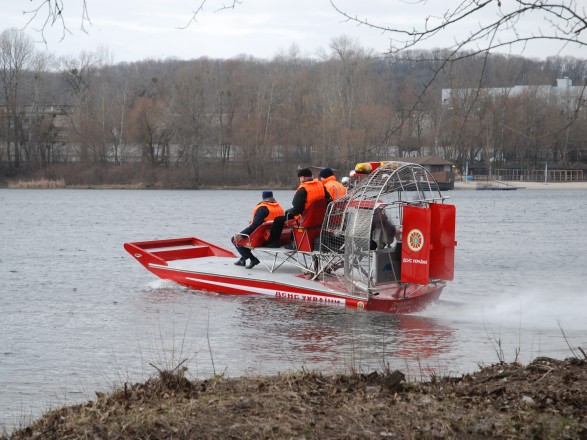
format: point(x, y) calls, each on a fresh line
point(546, 399)
point(60, 183)
point(138, 185)
point(38, 184)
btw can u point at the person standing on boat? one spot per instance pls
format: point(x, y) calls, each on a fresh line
point(334, 187)
point(266, 210)
point(309, 191)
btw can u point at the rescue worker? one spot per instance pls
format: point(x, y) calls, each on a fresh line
point(307, 193)
point(334, 187)
point(383, 232)
point(266, 210)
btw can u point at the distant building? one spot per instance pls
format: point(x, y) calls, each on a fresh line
point(564, 93)
point(442, 170)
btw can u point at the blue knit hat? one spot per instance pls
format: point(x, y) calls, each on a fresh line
point(267, 195)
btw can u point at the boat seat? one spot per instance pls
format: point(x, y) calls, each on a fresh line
point(306, 228)
point(260, 236)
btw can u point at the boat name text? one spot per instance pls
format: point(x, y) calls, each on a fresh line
point(304, 297)
point(414, 261)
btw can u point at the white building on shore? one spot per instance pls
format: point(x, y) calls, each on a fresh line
point(564, 93)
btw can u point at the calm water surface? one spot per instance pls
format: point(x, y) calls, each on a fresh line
point(77, 314)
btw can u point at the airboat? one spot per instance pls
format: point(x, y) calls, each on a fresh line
point(388, 245)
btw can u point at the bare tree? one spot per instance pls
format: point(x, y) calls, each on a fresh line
point(78, 74)
point(40, 128)
point(16, 58)
point(491, 25)
point(193, 116)
point(265, 91)
point(150, 126)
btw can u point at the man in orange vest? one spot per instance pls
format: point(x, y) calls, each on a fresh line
point(334, 187)
point(308, 192)
point(267, 209)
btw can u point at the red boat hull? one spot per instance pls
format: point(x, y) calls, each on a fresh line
point(203, 266)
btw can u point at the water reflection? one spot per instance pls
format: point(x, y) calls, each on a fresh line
point(324, 337)
point(422, 338)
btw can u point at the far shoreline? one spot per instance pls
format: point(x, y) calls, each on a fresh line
point(459, 185)
point(472, 185)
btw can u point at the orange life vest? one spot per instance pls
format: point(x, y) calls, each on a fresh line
point(275, 210)
point(314, 189)
point(334, 187)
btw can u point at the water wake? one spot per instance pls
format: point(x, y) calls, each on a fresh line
point(535, 308)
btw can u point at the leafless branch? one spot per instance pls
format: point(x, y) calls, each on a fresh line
point(566, 22)
point(194, 16)
point(51, 13)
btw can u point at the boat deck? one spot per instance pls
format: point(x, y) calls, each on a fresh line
point(288, 274)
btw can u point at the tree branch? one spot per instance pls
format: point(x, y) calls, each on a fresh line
point(566, 23)
point(51, 12)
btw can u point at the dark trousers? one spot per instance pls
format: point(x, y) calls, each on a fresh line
point(276, 228)
point(244, 252)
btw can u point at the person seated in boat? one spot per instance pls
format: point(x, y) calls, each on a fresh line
point(383, 232)
point(309, 191)
point(266, 210)
point(334, 187)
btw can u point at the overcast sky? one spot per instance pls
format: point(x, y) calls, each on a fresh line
point(139, 29)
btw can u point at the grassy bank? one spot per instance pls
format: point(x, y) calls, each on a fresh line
point(60, 184)
point(546, 399)
point(38, 184)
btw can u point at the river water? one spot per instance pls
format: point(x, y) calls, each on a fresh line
point(79, 315)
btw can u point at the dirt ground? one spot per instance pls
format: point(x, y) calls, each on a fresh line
point(546, 399)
